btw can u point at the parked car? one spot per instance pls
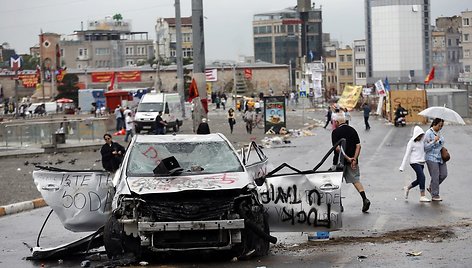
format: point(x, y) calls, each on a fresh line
point(192, 192)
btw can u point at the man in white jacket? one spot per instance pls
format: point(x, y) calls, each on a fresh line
point(416, 156)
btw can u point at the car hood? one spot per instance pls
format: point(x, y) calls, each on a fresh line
point(205, 182)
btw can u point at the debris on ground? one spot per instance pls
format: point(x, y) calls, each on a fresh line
point(414, 253)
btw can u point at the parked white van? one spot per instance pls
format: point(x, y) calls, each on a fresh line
point(150, 106)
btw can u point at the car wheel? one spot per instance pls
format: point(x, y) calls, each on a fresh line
point(117, 243)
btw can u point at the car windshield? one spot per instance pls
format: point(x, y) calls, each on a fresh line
point(150, 107)
point(194, 157)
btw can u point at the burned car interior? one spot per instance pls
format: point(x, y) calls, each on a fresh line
point(191, 192)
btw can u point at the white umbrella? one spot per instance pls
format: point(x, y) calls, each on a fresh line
point(444, 113)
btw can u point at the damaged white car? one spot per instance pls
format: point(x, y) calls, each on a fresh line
point(190, 192)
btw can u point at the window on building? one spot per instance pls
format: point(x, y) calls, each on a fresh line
point(341, 58)
point(102, 51)
point(129, 62)
point(466, 53)
point(83, 52)
point(187, 37)
point(349, 71)
point(173, 53)
point(141, 50)
point(465, 21)
point(349, 58)
point(466, 37)
point(129, 50)
point(187, 52)
point(62, 52)
point(467, 68)
point(449, 42)
point(342, 71)
point(361, 75)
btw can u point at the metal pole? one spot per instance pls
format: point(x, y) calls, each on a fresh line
point(16, 93)
point(179, 55)
point(199, 59)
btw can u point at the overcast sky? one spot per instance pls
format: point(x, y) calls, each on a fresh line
point(228, 24)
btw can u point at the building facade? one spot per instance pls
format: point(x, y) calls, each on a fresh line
point(466, 45)
point(345, 68)
point(360, 70)
point(446, 50)
point(398, 37)
point(106, 43)
point(166, 38)
point(277, 35)
point(331, 78)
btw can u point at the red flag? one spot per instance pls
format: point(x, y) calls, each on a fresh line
point(112, 82)
point(430, 76)
point(193, 90)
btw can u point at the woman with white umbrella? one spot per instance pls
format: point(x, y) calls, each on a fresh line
point(433, 143)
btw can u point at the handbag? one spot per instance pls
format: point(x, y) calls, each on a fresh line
point(445, 154)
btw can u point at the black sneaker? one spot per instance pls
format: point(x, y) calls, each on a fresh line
point(366, 205)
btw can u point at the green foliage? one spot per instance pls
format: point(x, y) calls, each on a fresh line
point(68, 88)
point(118, 17)
point(187, 61)
point(29, 62)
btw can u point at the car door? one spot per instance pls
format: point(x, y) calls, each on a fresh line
point(81, 199)
point(255, 161)
point(302, 201)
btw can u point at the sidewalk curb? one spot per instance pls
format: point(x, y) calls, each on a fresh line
point(22, 206)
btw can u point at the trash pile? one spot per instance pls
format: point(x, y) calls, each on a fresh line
point(285, 135)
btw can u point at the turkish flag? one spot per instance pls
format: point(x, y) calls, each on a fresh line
point(430, 76)
point(193, 91)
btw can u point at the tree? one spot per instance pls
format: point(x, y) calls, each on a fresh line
point(29, 62)
point(117, 17)
point(68, 88)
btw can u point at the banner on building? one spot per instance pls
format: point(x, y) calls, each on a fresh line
point(248, 73)
point(350, 97)
point(102, 77)
point(28, 80)
point(130, 76)
point(211, 75)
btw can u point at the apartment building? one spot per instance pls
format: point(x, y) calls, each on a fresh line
point(106, 43)
point(446, 50)
point(345, 68)
point(277, 35)
point(466, 45)
point(360, 70)
point(166, 38)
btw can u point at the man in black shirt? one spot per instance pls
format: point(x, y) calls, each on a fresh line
point(112, 154)
point(160, 124)
point(351, 155)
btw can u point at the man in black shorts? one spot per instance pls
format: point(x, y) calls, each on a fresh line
point(352, 152)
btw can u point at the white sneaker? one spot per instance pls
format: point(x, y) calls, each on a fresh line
point(406, 190)
point(437, 198)
point(424, 199)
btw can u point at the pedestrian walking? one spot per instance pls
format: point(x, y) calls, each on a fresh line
point(433, 143)
point(366, 109)
point(249, 117)
point(119, 118)
point(347, 115)
point(416, 156)
point(160, 124)
point(328, 116)
point(231, 119)
point(129, 124)
point(112, 154)
point(203, 127)
point(351, 156)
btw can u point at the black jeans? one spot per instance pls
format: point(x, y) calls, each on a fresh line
point(366, 121)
